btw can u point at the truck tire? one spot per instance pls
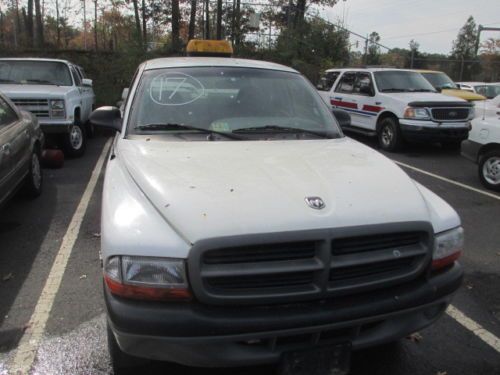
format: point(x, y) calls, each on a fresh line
point(489, 169)
point(75, 141)
point(389, 135)
point(121, 362)
point(34, 179)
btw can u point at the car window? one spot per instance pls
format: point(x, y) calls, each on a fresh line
point(7, 113)
point(440, 80)
point(228, 99)
point(489, 91)
point(401, 81)
point(363, 84)
point(346, 84)
point(76, 76)
point(31, 72)
point(326, 82)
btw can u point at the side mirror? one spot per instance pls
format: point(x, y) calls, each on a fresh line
point(125, 94)
point(343, 117)
point(87, 82)
point(107, 117)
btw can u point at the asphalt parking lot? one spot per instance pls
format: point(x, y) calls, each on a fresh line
point(73, 340)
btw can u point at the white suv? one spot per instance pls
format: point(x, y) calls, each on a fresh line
point(56, 92)
point(396, 105)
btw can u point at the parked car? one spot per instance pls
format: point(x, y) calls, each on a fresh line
point(483, 148)
point(21, 143)
point(241, 227)
point(396, 105)
point(446, 86)
point(55, 92)
point(488, 90)
point(488, 108)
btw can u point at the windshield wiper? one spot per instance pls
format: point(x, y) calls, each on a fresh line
point(7, 80)
point(284, 128)
point(421, 90)
point(393, 89)
point(173, 126)
point(42, 81)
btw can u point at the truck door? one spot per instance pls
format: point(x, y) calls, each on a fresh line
point(325, 86)
point(364, 94)
point(14, 148)
point(343, 97)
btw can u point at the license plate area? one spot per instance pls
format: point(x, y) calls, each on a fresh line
point(320, 360)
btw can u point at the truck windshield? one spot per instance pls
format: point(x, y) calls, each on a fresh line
point(402, 81)
point(227, 100)
point(29, 72)
point(440, 80)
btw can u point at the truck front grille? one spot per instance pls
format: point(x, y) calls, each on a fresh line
point(38, 107)
point(450, 114)
point(319, 268)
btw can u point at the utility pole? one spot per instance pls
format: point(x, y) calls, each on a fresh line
point(480, 29)
point(365, 58)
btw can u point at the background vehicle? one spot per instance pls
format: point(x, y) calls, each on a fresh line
point(488, 90)
point(446, 86)
point(483, 148)
point(56, 93)
point(21, 142)
point(238, 230)
point(396, 105)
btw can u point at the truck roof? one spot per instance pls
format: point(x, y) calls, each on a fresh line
point(367, 69)
point(171, 62)
point(33, 59)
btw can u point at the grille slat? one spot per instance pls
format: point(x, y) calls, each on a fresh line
point(262, 281)
point(373, 243)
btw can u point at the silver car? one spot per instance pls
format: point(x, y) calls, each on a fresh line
point(21, 144)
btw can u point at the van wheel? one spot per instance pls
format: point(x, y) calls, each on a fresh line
point(489, 170)
point(75, 141)
point(33, 184)
point(121, 362)
point(389, 135)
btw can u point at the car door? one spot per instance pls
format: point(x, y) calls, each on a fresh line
point(364, 95)
point(14, 148)
point(325, 85)
point(343, 97)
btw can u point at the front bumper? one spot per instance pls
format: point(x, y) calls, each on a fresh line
point(214, 336)
point(429, 131)
point(51, 126)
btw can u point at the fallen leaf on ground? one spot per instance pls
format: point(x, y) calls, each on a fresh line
point(97, 235)
point(442, 373)
point(415, 337)
point(7, 277)
point(83, 277)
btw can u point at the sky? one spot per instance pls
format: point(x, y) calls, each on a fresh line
point(432, 23)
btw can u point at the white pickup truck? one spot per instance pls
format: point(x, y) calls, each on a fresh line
point(396, 105)
point(56, 92)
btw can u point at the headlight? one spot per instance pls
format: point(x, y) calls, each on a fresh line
point(447, 247)
point(147, 278)
point(57, 108)
point(416, 113)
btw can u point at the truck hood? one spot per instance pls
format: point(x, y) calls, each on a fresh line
point(462, 94)
point(408, 97)
point(34, 91)
point(215, 189)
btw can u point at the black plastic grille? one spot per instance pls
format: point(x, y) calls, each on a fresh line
point(374, 242)
point(450, 114)
point(266, 281)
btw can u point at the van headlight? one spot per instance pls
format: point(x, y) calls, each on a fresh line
point(448, 247)
point(416, 113)
point(57, 108)
point(148, 278)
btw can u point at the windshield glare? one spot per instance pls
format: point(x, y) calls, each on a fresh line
point(34, 72)
point(440, 80)
point(226, 99)
point(401, 80)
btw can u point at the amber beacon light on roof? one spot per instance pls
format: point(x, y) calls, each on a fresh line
point(218, 48)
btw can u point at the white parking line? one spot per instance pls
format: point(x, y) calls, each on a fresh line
point(26, 351)
point(488, 194)
point(488, 337)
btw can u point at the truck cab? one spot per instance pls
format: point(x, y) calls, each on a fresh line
point(56, 92)
point(396, 105)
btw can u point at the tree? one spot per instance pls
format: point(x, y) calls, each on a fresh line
point(175, 25)
point(144, 25)
point(137, 21)
point(219, 19)
point(39, 24)
point(414, 46)
point(465, 44)
point(192, 20)
point(30, 37)
point(373, 50)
